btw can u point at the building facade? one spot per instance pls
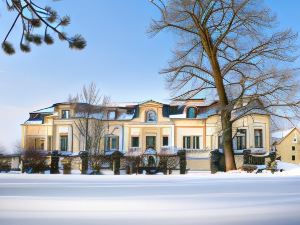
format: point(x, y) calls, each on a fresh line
point(288, 147)
point(193, 125)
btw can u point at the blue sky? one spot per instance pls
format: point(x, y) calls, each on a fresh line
point(120, 58)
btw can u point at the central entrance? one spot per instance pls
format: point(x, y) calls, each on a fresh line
point(151, 142)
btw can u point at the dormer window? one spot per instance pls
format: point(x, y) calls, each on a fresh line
point(112, 115)
point(35, 116)
point(129, 111)
point(65, 114)
point(191, 112)
point(151, 116)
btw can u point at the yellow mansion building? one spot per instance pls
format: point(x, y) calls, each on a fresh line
point(193, 125)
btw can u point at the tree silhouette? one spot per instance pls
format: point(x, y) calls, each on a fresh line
point(231, 46)
point(38, 25)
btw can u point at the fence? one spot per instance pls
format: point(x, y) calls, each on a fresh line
point(247, 161)
point(60, 162)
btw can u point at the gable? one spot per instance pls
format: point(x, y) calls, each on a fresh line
point(151, 103)
point(288, 139)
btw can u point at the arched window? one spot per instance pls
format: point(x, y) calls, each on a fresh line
point(191, 112)
point(151, 116)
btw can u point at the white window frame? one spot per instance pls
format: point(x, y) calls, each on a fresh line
point(67, 114)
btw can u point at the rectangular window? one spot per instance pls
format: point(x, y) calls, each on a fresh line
point(107, 143)
point(115, 143)
point(111, 142)
point(241, 139)
point(187, 142)
point(111, 115)
point(196, 142)
point(191, 142)
point(65, 114)
point(64, 143)
point(293, 158)
point(293, 148)
point(220, 142)
point(135, 142)
point(165, 141)
point(258, 138)
point(151, 142)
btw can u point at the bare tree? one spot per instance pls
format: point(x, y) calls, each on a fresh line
point(231, 46)
point(2, 149)
point(33, 18)
point(35, 161)
point(18, 149)
point(90, 118)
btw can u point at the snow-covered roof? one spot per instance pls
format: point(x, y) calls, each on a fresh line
point(150, 100)
point(276, 136)
point(178, 116)
point(254, 107)
point(122, 104)
point(125, 116)
point(209, 112)
point(281, 133)
point(32, 122)
point(102, 116)
point(48, 110)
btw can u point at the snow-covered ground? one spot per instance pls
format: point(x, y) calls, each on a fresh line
point(289, 168)
point(198, 198)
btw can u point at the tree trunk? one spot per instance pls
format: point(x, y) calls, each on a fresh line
point(227, 141)
point(225, 112)
point(86, 134)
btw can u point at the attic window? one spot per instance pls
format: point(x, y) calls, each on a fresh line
point(34, 116)
point(129, 111)
point(111, 115)
point(151, 116)
point(65, 114)
point(191, 112)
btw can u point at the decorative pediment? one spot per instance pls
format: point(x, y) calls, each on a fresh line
point(150, 103)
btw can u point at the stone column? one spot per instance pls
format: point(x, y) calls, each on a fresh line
point(172, 136)
point(116, 159)
point(84, 162)
point(54, 163)
point(182, 161)
point(247, 155)
point(214, 161)
point(70, 139)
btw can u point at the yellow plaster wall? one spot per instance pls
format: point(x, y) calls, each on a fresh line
point(284, 148)
point(207, 128)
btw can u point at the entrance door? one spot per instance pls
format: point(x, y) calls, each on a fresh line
point(151, 142)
